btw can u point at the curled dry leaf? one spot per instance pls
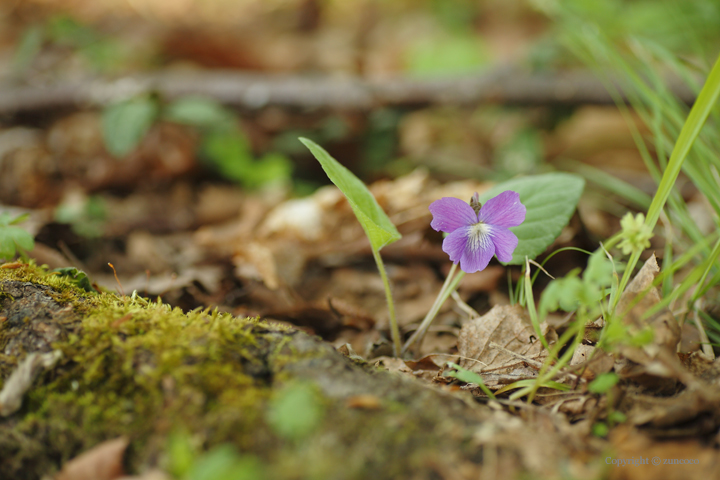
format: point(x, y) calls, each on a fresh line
point(659, 358)
point(255, 260)
point(682, 412)
point(102, 462)
point(21, 379)
point(663, 323)
point(693, 411)
point(208, 276)
point(582, 354)
point(592, 361)
point(427, 368)
point(507, 326)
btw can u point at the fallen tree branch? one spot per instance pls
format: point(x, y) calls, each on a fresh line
point(253, 91)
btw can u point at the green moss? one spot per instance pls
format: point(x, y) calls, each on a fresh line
point(140, 368)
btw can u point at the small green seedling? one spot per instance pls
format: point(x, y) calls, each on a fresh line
point(378, 227)
point(12, 238)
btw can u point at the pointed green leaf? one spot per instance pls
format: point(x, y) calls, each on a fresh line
point(550, 200)
point(200, 112)
point(16, 220)
point(378, 227)
point(603, 382)
point(124, 124)
point(21, 237)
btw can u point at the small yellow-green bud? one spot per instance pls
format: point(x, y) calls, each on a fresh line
point(635, 234)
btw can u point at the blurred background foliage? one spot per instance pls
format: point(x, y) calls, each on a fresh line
point(643, 46)
point(56, 39)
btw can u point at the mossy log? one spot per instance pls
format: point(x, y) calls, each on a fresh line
point(139, 368)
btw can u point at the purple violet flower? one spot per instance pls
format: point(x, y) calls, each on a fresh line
point(476, 232)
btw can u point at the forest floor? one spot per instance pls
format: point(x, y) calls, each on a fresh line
point(235, 224)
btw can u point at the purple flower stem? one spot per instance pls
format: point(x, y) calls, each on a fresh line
point(450, 285)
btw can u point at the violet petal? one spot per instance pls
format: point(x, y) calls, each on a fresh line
point(504, 210)
point(450, 213)
point(505, 242)
point(476, 256)
point(456, 243)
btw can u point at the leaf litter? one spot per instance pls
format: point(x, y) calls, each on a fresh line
point(304, 262)
point(102, 462)
point(328, 294)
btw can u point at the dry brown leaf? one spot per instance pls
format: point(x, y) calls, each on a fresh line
point(319, 320)
point(663, 323)
point(659, 358)
point(223, 238)
point(537, 443)
point(149, 475)
point(167, 151)
point(495, 381)
point(692, 412)
point(102, 462)
point(711, 373)
point(364, 402)
point(414, 290)
point(509, 327)
point(628, 443)
point(425, 368)
point(690, 340)
point(362, 341)
point(428, 362)
point(592, 360)
point(208, 276)
point(302, 219)
point(393, 364)
point(576, 406)
point(582, 354)
point(149, 251)
point(255, 260)
point(444, 340)
point(701, 366)
point(219, 203)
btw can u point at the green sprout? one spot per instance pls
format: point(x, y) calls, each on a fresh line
point(12, 238)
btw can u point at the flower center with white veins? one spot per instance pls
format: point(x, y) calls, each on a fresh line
point(479, 236)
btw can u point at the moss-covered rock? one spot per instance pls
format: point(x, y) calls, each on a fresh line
point(135, 367)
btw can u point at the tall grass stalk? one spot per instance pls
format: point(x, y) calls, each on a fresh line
point(689, 132)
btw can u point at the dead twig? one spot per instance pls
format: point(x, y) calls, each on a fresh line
point(252, 91)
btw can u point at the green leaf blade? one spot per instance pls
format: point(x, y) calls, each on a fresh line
point(21, 237)
point(688, 134)
point(7, 247)
point(378, 227)
point(125, 124)
point(200, 112)
point(550, 200)
point(603, 383)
